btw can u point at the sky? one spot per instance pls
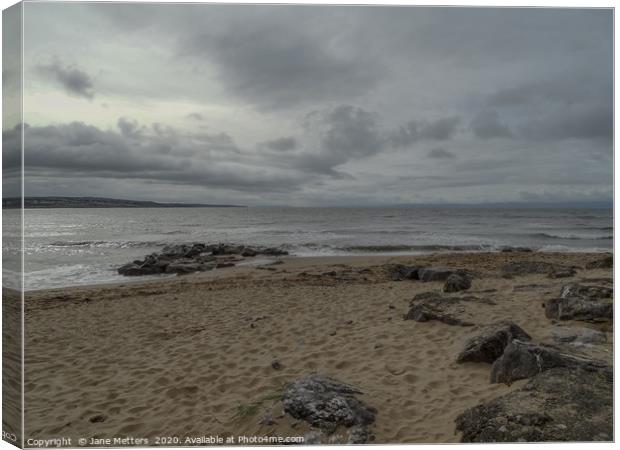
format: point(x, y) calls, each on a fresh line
point(315, 105)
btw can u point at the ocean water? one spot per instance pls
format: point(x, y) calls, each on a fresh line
point(66, 247)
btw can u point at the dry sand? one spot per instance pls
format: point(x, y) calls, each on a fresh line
point(192, 356)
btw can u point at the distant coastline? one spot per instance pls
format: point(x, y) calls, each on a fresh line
point(97, 202)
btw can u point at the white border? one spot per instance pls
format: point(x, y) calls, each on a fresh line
point(488, 3)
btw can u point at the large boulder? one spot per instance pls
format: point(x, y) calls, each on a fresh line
point(524, 360)
point(327, 404)
point(457, 282)
point(400, 272)
point(490, 343)
point(434, 306)
point(581, 302)
point(586, 291)
point(578, 336)
point(579, 308)
point(560, 404)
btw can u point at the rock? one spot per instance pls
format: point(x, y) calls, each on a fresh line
point(606, 263)
point(184, 258)
point(359, 435)
point(456, 282)
point(509, 249)
point(194, 251)
point(133, 270)
point(585, 291)
point(557, 405)
point(435, 273)
point(578, 336)
point(327, 404)
point(518, 268)
point(98, 419)
point(399, 272)
point(433, 306)
point(524, 360)
point(581, 302)
point(563, 273)
point(182, 268)
point(175, 251)
point(313, 438)
point(577, 308)
point(272, 251)
point(276, 365)
point(490, 343)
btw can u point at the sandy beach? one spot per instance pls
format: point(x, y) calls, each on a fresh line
point(208, 354)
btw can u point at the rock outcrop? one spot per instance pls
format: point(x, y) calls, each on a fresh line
point(578, 336)
point(400, 272)
point(560, 404)
point(524, 360)
point(581, 302)
point(328, 404)
point(183, 258)
point(450, 310)
point(490, 343)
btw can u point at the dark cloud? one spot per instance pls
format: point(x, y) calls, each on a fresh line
point(575, 122)
point(74, 81)
point(346, 132)
point(488, 125)
point(129, 128)
point(440, 153)
point(281, 145)
point(78, 150)
point(438, 130)
point(525, 94)
point(277, 65)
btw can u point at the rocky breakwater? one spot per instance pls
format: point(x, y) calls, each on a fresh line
point(188, 258)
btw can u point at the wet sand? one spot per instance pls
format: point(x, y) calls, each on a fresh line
point(192, 356)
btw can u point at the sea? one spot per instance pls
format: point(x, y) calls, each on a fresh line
point(66, 247)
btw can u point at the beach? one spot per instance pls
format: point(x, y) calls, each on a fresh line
point(208, 354)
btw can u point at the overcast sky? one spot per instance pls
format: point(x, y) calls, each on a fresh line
point(313, 105)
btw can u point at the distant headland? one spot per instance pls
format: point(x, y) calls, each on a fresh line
point(98, 202)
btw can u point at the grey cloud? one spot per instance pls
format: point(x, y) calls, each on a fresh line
point(576, 122)
point(546, 72)
point(281, 145)
point(345, 132)
point(79, 150)
point(74, 81)
point(129, 128)
point(438, 130)
point(195, 116)
point(488, 125)
point(547, 196)
point(277, 65)
point(440, 153)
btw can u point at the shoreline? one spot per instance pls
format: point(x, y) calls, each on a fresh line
point(251, 263)
point(209, 353)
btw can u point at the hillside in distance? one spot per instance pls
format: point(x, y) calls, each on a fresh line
point(97, 202)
